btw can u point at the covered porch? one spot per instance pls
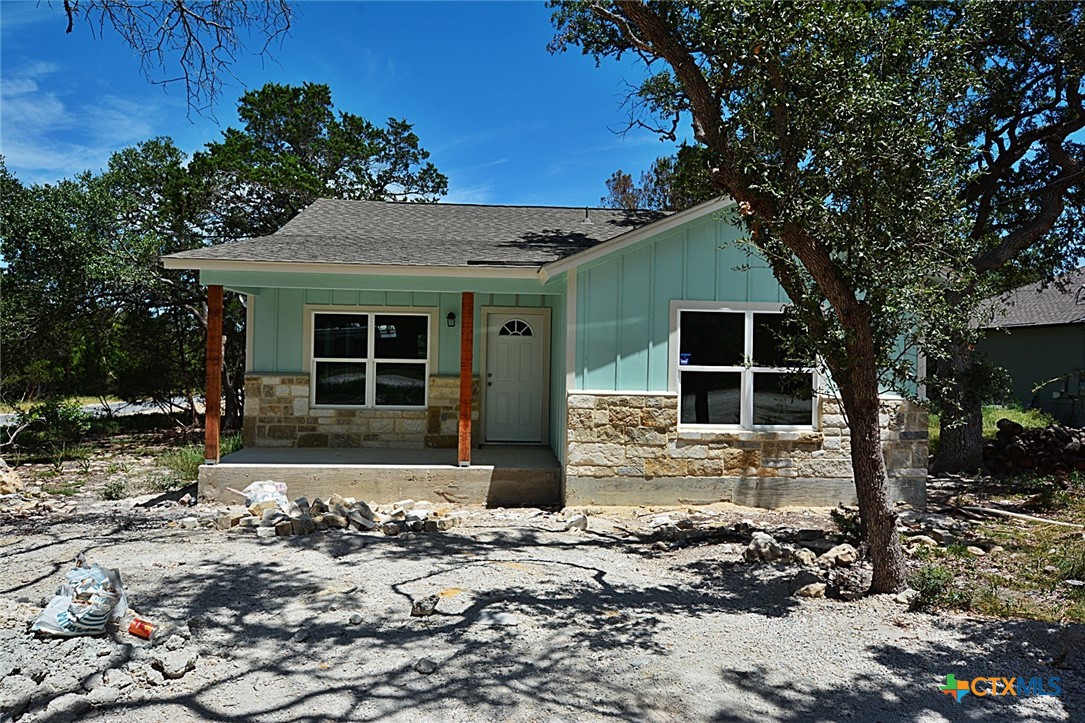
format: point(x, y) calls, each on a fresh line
point(498, 476)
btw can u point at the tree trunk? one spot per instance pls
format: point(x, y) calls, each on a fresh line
point(859, 395)
point(960, 445)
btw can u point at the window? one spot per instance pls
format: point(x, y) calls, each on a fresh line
point(515, 327)
point(370, 359)
point(733, 371)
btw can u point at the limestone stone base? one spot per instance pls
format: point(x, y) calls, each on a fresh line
point(628, 449)
point(278, 414)
point(767, 492)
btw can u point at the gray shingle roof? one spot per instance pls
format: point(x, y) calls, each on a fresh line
point(1036, 305)
point(422, 234)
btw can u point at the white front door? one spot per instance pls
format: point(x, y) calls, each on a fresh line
point(516, 349)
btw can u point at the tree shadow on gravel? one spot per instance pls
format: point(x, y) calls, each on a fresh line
point(903, 684)
point(581, 624)
point(586, 623)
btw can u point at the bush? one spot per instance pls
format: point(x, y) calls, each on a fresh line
point(114, 490)
point(848, 524)
point(935, 588)
point(53, 423)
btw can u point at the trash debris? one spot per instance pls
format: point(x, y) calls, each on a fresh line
point(142, 628)
point(263, 491)
point(90, 597)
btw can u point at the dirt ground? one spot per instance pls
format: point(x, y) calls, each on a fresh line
point(533, 622)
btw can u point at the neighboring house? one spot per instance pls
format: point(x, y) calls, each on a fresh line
point(528, 355)
point(1039, 338)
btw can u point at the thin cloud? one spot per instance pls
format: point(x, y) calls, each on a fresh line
point(479, 193)
point(44, 138)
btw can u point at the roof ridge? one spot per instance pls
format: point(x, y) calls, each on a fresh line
point(442, 204)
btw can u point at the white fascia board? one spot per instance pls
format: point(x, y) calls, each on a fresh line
point(631, 237)
point(474, 272)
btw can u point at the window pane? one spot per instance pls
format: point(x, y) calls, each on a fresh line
point(340, 383)
point(783, 398)
point(401, 385)
point(711, 338)
point(711, 397)
point(768, 351)
point(401, 337)
point(340, 336)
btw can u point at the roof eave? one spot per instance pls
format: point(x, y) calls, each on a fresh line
point(473, 272)
point(628, 238)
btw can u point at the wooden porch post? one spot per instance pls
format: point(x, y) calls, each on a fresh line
point(213, 409)
point(467, 340)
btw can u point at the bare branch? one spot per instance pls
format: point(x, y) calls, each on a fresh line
point(202, 38)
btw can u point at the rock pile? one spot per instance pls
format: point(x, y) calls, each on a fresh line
point(19, 507)
point(302, 517)
point(1052, 450)
point(920, 529)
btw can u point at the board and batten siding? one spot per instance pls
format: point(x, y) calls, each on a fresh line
point(623, 300)
point(278, 316)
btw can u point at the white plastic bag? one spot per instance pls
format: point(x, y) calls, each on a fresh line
point(264, 491)
point(85, 603)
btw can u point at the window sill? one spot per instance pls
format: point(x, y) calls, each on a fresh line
point(322, 407)
point(749, 435)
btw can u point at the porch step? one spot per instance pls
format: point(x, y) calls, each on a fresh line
point(524, 487)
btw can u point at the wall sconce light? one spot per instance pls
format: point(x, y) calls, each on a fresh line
point(451, 319)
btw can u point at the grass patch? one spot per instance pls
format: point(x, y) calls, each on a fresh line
point(64, 489)
point(185, 461)
point(1027, 418)
point(1031, 577)
point(163, 482)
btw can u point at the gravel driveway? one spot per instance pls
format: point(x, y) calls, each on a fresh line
point(533, 623)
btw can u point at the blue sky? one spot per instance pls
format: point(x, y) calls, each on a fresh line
point(506, 121)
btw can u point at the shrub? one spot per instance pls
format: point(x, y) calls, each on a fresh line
point(115, 489)
point(935, 588)
point(848, 524)
point(54, 423)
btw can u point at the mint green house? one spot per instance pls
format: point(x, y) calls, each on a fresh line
point(529, 355)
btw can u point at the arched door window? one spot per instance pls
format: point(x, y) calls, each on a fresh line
point(515, 327)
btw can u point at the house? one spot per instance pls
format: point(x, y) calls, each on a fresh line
point(1038, 337)
point(527, 355)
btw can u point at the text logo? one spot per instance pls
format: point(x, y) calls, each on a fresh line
point(998, 686)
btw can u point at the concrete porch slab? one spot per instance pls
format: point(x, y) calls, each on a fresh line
point(499, 476)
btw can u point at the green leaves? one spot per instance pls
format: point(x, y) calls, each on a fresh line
point(295, 147)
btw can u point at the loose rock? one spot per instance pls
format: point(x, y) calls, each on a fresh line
point(174, 664)
point(763, 548)
point(425, 607)
point(841, 555)
point(577, 522)
point(425, 666)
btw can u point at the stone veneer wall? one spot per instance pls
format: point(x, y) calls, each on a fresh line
point(277, 414)
point(626, 449)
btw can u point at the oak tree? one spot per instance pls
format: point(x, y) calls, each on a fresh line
point(837, 130)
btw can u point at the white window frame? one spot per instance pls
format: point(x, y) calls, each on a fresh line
point(746, 385)
point(370, 359)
